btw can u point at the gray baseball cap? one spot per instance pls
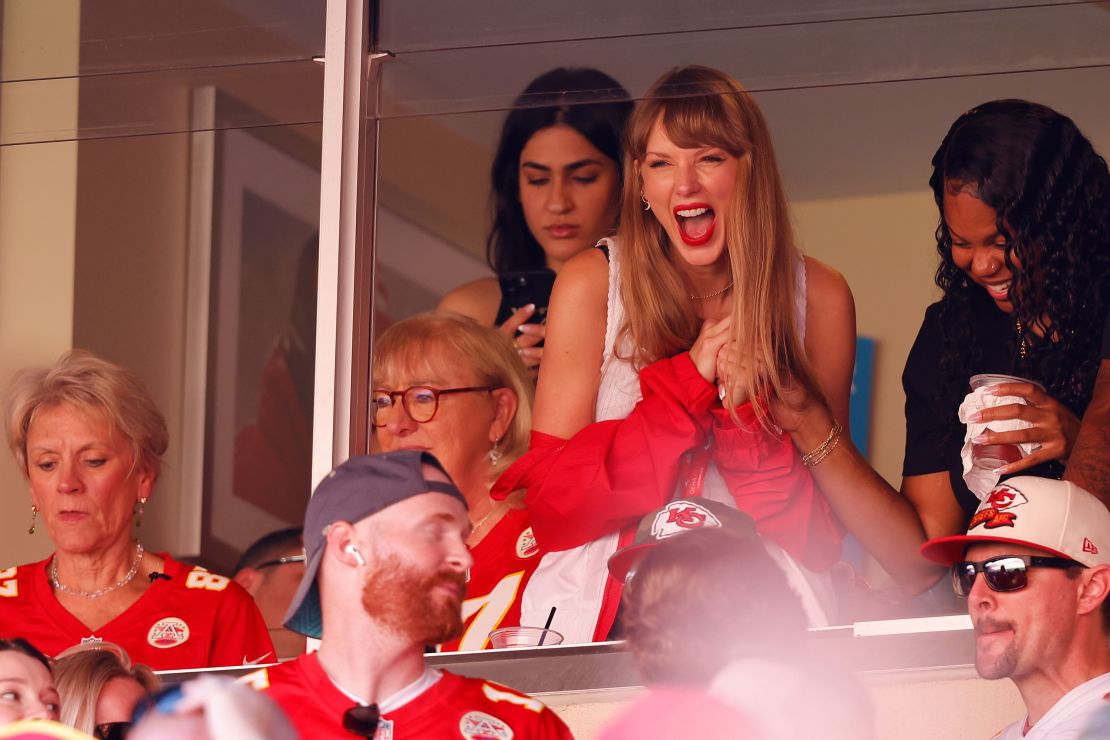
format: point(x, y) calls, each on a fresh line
point(358, 488)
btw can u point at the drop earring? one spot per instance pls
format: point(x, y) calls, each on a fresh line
point(647, 206)
point(139, 512)
point(495, 453)
point(34, 513)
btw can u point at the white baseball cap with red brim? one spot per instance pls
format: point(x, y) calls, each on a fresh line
point(1056, 516)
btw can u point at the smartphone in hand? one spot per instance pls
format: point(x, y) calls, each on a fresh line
point(518, 289)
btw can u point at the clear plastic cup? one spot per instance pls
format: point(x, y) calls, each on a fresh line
point(984, 379)
point(990, 457)
point(514, 637)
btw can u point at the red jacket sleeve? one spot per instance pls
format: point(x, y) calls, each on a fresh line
point(611, 473)
point(769, 482)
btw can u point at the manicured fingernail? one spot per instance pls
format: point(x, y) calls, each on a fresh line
point(1002, 471)
point(530, 307)
point(975, 417)
point(979, 440)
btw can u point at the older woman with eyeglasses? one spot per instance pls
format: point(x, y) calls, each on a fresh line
point(444, 383)
point(90, 439)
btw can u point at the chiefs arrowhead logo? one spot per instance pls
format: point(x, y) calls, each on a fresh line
point(167, 633)
point(681, 516)
point(1006, 497)
point(526, 546)
point(996, 511)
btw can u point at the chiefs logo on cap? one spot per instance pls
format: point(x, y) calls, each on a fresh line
point(997, 509)
point(681, 516)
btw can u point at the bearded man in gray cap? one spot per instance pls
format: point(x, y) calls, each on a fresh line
point(385, 575)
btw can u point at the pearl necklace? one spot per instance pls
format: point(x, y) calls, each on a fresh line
point(130, 576)
point(711, 295)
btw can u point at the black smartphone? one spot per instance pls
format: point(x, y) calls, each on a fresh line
point(521, 288)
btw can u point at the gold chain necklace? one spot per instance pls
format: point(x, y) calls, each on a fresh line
point(59, 586)
point(711, 295)
point(485, 519)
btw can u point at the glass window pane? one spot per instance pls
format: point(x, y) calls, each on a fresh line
point(857, 100)
point(136, 36)
point(422, 25)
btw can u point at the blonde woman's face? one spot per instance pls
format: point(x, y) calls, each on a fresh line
point(80, 470)
point(26, 689)
point(460, 434)
point(689, 191)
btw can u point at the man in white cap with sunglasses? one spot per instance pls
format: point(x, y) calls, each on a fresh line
point(1035, 568)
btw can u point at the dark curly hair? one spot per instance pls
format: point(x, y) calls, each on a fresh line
point(560, 96)
point(1051, 193)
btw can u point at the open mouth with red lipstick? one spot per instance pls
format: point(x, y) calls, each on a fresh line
point(696, 222)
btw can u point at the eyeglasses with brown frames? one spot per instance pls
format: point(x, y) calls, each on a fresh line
point(420, 402)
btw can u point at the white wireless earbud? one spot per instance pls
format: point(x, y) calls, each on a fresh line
point(353, 552)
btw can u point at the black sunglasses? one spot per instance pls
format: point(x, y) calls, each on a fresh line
point(362, 720)
point(1005, 572)
point(281, 561)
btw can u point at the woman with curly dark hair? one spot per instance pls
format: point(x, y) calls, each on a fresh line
point(1024, 241)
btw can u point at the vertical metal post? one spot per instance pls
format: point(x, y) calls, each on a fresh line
point(343, 236)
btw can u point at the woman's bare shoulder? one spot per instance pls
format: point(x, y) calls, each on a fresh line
point(588, 270)
point(478, 299)
point(825, 285)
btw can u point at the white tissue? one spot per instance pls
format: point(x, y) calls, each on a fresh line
point(980, 481)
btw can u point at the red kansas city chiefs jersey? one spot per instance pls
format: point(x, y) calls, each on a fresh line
point(503, 562)
point(438, 705)
point(195, 619)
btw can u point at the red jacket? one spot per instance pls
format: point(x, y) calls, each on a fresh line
point(611, 473)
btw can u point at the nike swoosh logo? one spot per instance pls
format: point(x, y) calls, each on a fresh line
point(257, 660)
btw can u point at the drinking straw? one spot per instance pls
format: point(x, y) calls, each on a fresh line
point(547, 626)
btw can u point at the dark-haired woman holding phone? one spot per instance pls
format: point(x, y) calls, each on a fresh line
point(556, 182)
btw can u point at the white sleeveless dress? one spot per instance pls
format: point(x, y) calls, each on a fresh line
point(574, 580)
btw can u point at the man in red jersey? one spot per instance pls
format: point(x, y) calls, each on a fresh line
point(385, 537)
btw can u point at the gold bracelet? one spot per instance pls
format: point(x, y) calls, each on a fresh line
point(822, 450)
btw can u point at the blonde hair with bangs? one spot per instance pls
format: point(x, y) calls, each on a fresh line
point(416, 343)
point(697, 107)
point(86, 382)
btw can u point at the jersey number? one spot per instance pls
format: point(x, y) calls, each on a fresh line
point(9, 588)
point(200, 578)
point(488, 611)
point(512, 697)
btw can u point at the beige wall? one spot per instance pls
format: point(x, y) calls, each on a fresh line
point(129, 287)
point(38, 190)
point(883, 246)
